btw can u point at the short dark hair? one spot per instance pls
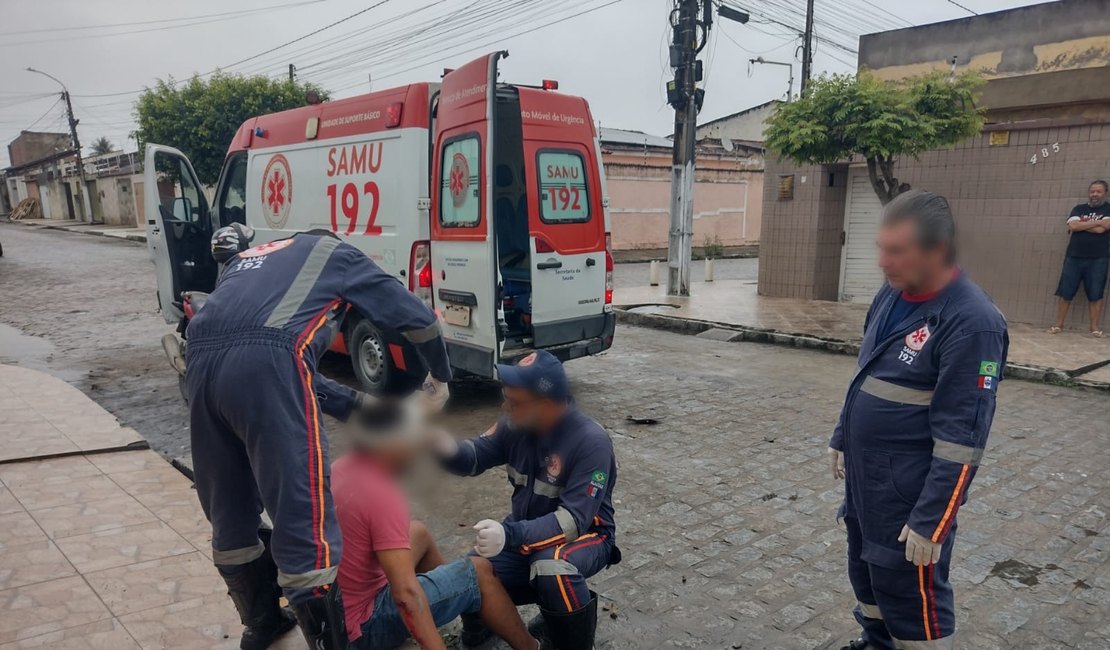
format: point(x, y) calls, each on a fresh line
point(1104, 184)
point(321, 232)
point(931, 214)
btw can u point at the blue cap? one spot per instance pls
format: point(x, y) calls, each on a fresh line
point(540, 373)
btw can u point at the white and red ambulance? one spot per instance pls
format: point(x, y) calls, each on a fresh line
point(487, 199)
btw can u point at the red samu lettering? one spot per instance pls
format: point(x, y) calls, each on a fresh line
point(363, 158)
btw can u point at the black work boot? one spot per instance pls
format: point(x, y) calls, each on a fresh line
point(573, 631)
point(322, 621)
point(474, 631)
point(254, 590)
point(858, 644)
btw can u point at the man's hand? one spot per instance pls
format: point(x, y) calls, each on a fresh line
point(490, 540)
point(836, 463)
point(442, 443)
point(922, 551)
point(434, 394)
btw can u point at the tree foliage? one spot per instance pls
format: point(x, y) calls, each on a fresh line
point(200, 116)
point(844, 116)
point(101, 146)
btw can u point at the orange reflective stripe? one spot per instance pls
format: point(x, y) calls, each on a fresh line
point(924, 602)
point(562, 588)
point(953, 504)
point(539, 546)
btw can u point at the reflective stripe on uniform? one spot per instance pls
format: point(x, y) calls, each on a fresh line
point(567, 523)
point(895, 393)
point(317, 578)
point(551, 568)
point(947, 643)
point(424, 334)
point(302, 284)
point(547, 490)
point(870, 611)
point(957, 453)
point(238, 556)
point(515, 477)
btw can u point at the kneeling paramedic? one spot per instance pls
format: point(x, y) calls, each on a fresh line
point(914, 426)
point(561, 531)
point(255, 399)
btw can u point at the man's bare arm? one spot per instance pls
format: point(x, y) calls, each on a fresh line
point(1077, 225)
point(410, 598)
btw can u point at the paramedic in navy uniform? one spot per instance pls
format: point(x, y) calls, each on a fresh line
point(913, 427)
point(255, 399)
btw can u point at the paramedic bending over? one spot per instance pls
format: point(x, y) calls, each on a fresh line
point(255, 399)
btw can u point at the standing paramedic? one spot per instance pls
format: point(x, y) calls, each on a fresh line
point(1087, 260)
point(255, 399)
point(560, 531)
point(914, 426)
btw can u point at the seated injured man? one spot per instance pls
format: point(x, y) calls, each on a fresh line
point(560, 530)
point(396, 584)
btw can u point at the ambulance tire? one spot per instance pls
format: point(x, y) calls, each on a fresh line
point(373, 364)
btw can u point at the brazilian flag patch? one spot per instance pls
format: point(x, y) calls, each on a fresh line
point(988, 368)
point(599, 477)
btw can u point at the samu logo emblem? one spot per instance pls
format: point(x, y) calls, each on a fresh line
point(916, 339)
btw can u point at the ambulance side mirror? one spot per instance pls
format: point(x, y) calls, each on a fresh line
point(182, 209)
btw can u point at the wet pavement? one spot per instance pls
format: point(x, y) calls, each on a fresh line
point(724, 507)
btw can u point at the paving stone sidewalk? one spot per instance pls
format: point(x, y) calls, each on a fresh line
point(102, 545)
point(736, 309)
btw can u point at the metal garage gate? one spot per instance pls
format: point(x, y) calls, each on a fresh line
point(860, 276)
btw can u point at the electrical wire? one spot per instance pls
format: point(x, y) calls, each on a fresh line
point(970, 11)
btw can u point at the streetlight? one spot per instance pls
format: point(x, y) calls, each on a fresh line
point(790, 66)
point(83, 189)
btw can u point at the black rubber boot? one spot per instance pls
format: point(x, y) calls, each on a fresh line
point(474, 631)
point(322, 621)
point(573, 631)
point(858, 644)
point(254, 589)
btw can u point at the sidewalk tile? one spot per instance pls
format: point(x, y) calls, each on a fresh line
point(93, 516)
point(32, 562)
point(157, 479)
point(8, 504)
point(50, 470)
point(201, 624)
point(108, 634)
point(122, 546)
point(45, 607)
point(132, 588)
point(29, 444)
point(48, 495)
point(18, 528)
point(128, 461)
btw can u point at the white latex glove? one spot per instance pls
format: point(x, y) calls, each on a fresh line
point(442, 443)
point(435, 394)
point(836, 463)
point(922, 551)
point(490, 539)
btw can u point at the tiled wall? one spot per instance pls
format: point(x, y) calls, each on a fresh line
point(1010, 216)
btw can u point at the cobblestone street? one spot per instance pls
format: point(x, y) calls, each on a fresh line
point(726, 510)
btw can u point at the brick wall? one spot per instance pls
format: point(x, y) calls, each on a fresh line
point(1010, 216)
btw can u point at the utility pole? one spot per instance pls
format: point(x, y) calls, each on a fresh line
point(292, 70)
point(83, 190)
point(807, 47)
point(682, 94)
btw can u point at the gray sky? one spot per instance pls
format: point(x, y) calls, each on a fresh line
point(614, 56)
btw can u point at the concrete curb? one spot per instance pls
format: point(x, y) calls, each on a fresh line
point(732, 333)
point(88, 229)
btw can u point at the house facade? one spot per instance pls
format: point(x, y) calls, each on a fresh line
point(1047, 137)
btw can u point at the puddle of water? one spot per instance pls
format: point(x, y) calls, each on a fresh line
point(34, 352)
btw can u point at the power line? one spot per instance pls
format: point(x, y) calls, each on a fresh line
point(970, 11)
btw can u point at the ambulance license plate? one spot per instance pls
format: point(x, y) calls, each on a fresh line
point(458, 315)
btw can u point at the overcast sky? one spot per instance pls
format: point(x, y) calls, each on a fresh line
point(613, 52)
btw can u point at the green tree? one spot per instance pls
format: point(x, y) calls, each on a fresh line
point(200, 116)
point(845, 116)
point(101, 146)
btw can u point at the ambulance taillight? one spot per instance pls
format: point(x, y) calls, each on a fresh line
point(544, 246)
point(393, 115)
point(420, 272)
point(608, 269)
point(550, 84)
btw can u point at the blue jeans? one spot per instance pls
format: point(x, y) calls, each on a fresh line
point(451, 589)
point(1091, 272)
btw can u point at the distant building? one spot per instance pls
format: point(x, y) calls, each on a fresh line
point(1048, 136)
point(747, 125)
point(727, 195)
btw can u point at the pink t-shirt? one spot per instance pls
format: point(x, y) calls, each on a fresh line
point(373, 516)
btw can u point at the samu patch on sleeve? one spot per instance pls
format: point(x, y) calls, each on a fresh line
point(988, 368)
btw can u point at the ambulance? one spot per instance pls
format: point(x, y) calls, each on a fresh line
point(486, 199)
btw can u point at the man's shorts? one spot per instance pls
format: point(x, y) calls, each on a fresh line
point(451, 589)
point(1091, 272)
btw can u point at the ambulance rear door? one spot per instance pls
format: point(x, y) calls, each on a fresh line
point(567, 220)
point(464, 263)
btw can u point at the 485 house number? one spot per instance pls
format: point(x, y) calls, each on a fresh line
point(1045, 152)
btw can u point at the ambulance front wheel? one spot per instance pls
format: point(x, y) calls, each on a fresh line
point(373, 363)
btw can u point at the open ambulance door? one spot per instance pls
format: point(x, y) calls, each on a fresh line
point(464, 259)
point(178, 228)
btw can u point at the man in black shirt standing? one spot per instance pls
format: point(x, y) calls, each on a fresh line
point(1088, 257)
